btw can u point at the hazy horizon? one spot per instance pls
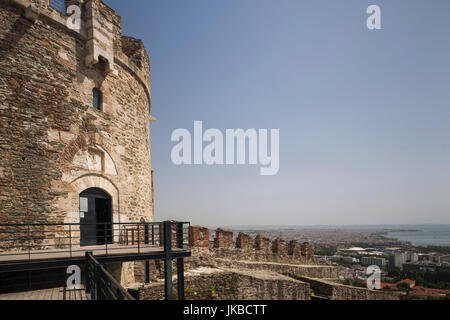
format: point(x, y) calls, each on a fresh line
point(363, 114)
point(333, 226)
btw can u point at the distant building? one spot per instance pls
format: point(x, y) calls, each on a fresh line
point(396, 260)
point(373, 261)
point(429, 292)
point(410, 283)
point(344, 259)
point(412, 257)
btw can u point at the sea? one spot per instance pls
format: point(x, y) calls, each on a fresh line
point(426, 235)
point(418, 235)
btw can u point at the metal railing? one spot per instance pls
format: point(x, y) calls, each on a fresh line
point(74, 239)
point(100, 284)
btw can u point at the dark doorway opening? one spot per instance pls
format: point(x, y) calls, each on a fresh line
point(95, 217)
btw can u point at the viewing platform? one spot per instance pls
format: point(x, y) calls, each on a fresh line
point(29, 247)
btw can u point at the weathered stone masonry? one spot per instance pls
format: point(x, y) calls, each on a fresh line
point(263, 250)
point(54, 144)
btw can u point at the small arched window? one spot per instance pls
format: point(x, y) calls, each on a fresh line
point(97, 99)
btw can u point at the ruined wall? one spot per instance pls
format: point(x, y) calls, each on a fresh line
point(199, 237)
point(335, 291)
point(246, 248)
point(231, 285)
point(312, 271)
point(223, 239)
point(54, 143)
point(244, 242)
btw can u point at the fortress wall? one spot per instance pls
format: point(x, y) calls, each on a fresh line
point(247, 248)
point(227, 258)
point(335, 291)
point(54, 143)
point(217, 284)
point(313, 271)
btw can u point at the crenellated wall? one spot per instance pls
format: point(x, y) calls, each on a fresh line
point(223, 239)
point(244, 242)
point(247, 248)
point(217, 284)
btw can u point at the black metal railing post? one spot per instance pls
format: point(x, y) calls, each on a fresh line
point(106, 237)
point(168, 259)
point(139, 239)
point(87, 280)
point(180, 262)
point(147, 263)
point(98, 291)
point(100, 284)
point(29, 244)
point(153, 235)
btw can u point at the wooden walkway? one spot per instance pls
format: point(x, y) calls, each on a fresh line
point(56, 294)
point(98, 251)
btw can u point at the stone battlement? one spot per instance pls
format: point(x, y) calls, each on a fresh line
point(100, 33)
point(247, 248)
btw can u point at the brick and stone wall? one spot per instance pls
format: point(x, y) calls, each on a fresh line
point(262, 243)
point(54, 143)
point(223, 239)
point(219, 284)
point(322, 279)
point(244, 241)
point(247, 248)
point(312, 271)
point(307, 250)
point(279, 247)
point(294, 249)
point(336, 291)
point(199, 237)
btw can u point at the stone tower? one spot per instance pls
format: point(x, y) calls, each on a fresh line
point(74, 114)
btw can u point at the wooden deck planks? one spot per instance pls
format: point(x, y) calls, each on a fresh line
point(110, 250)
point(55, 294)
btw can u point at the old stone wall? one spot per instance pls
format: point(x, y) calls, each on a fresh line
point(279, 247)
point(313, 271)
point(335, 291)
point(263, 250)
point(322, 279)
point(199, 237)
point(244, 242)
point(219, 284)
point(223, 239)
point(262, 243)
point(237, 258)
point(54, 143)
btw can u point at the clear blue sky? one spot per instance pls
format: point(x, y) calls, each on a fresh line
point(364, 116)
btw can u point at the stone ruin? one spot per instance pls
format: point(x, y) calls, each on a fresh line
point(254, 268)
point(223, 239)
point(261, 248)
point(244, 241)
point(199, 237)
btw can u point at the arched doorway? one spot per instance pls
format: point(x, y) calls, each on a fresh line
point(95, 217)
